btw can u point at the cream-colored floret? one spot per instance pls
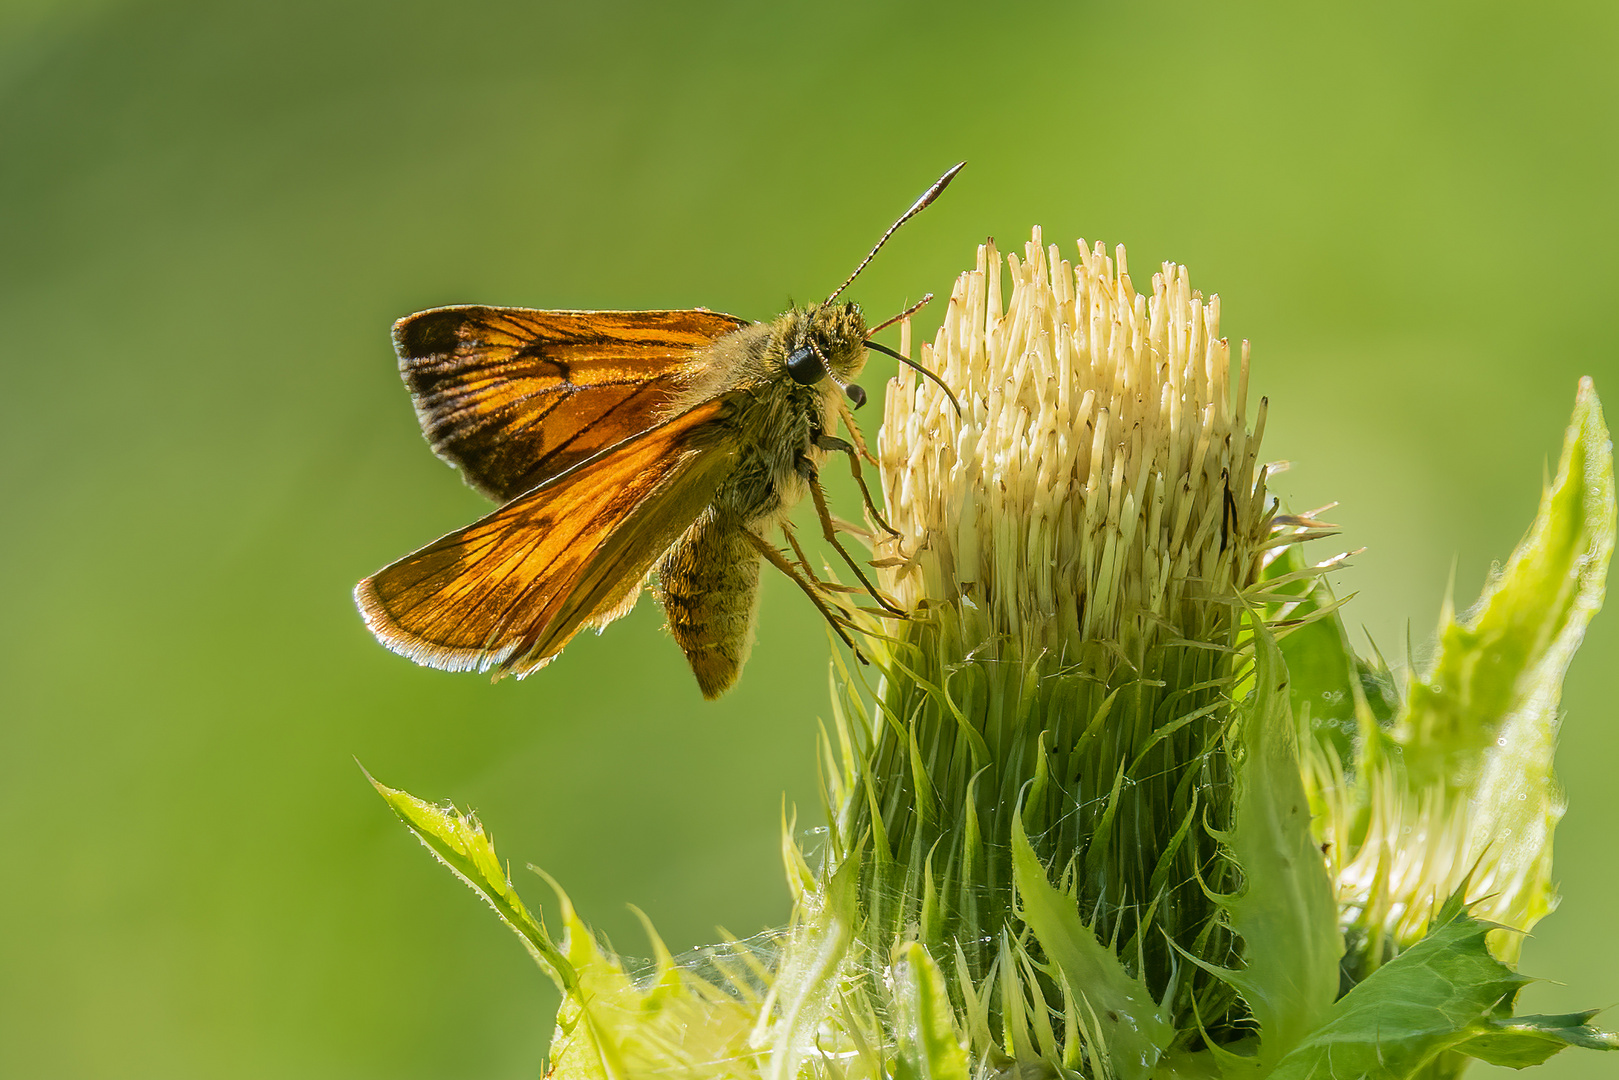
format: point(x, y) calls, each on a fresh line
point(1101, 479)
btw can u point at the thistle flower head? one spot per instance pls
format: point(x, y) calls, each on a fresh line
point(1077, 545)
point(1100, 482)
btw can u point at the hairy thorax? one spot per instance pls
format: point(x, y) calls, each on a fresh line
point(777, 408)
point(774, 420)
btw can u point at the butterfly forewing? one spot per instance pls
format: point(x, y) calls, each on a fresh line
point(509, 590)
point(513, 396)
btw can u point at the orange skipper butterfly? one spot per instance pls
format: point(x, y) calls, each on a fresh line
point(623, 446)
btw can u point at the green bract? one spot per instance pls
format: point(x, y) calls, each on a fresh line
point(1120, 801)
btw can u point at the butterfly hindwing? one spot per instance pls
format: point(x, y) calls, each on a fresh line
point(509, 590)
point(515, 396)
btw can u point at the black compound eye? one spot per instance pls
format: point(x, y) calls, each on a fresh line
point(805, 366)
point(857, 394)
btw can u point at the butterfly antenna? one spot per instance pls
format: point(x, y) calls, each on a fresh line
point(886, 351)
point(907, 313)
point(916, 208)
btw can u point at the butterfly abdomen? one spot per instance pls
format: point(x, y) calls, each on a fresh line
point(708, 584)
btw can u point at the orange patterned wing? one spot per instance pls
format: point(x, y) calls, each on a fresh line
point(513, 397)
point(508, 591)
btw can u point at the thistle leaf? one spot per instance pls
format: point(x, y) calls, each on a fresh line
point(1481, 726)
point(803, 992)
point(1447, 992)
point(1499, 670)
point(929, 1047)
point(617, 1026)
point(1521, 1041)
point(1286, 912)
point(1338, 697)
point(458, 841)
point(1133, 1027)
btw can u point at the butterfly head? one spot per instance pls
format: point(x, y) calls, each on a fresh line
point(828, 342)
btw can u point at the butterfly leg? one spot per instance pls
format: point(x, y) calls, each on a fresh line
point(830, 532)
point(803, 559)
point(832, 443)
point(776, 559)
point(847, 416)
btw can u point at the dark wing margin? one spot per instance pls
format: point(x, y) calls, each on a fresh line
point(508, 591)
point(513, 396)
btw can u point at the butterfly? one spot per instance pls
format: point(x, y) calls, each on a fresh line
point(624, 447)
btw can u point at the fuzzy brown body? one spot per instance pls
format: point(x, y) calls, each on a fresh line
point(708, 581)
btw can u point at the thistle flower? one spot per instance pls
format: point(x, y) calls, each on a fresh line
point(1119, 801)
point(1079, 543)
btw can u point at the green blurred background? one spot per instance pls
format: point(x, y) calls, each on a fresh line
point(210, 213)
